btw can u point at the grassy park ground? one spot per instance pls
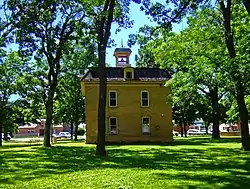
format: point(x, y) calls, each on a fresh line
point(195, 162)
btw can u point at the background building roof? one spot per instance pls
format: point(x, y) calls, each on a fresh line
point(28, 126)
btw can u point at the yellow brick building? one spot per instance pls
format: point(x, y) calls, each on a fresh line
point(137, 108)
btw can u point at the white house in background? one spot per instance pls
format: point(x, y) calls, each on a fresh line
point(229, 127)
point(82, 125)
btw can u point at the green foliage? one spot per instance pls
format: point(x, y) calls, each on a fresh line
point(8, 22)
point(69, 103)
point(11, 70)
point(146, 57)
point(199, 54)
point(34, 91)
point(185, 99)
point(46, 31)
point(81, 131)
point(233, 112)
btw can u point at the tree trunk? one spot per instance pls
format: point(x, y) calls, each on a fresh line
point(76, 130)
point(185, 130)
point(49, 117)
point(215, 113)
point(239, 88)
point(1, 127)
point(104, 27)
point(71, 129)
point(206, 126)
point(100, 147)
point(240, 98)
point(5, 136)
point(181, 129)
point(247, 5)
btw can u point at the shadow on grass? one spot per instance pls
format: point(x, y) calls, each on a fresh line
point(20, 145)
point(35, 162)
point(204, 140)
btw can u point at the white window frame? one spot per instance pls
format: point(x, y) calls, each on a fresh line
point(149, 120)
point(144, 99)
point(112, 91)
point(113, 133)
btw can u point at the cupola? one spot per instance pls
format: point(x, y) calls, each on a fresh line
point(122, 57)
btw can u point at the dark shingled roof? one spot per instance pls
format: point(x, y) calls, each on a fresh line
point(140, 74)
point(123, 50)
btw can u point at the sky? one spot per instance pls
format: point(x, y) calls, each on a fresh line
point(139, 18)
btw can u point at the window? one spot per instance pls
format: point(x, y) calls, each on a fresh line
point(128, 75)
point(145, 126)
point(112, 98)
point(113, 125)
point(144, 98)
point(122, 60)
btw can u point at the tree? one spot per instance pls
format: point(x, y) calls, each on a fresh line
point(233, 112)
point(146, 58)
point(231, 69)
point(69, 103)
point(103, 27)
point(189, 52)
point(170, 12)
point(45, 29)
point(185, 100)
point(8, 23)
point(109, 11)
point(238, 50)
point(207, 70)
point(10, 70)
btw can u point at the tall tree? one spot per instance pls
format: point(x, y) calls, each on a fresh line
point(110, 11)
point(69, 103)
point(185, 100)
point(188, 52)
point(235, 41)
point(103, 27)
point(45, 30)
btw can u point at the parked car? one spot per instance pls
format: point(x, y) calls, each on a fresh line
point(8, 136)
point(175, 133)
point(195, 132)
point(56, 135)
point(64, 135)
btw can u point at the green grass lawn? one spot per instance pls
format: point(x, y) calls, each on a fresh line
point(195, 162)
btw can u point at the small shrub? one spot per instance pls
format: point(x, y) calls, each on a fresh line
point(80, 131)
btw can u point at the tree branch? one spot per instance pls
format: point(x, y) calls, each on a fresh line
point(172, 19)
